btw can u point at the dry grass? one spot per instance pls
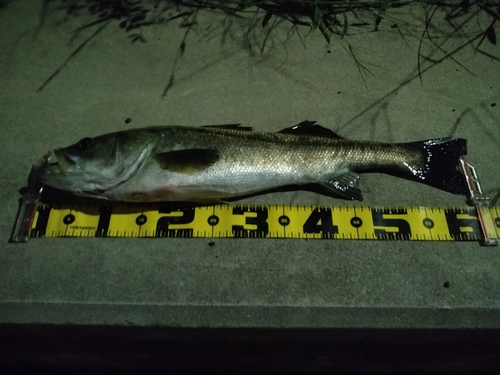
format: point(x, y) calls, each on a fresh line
point(331, 19)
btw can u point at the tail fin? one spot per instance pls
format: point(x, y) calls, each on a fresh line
point(440, 164)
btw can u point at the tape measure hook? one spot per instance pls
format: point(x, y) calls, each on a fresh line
point(28, 205)
point(481, 202)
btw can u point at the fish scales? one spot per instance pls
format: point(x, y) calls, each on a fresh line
point(294, 153)
point(277, 159)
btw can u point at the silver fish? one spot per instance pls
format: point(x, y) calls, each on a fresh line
point(210, 164)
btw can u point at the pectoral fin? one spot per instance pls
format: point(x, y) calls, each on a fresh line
point(344, 184)
point(187, 161)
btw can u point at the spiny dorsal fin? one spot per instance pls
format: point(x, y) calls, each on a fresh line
point(310, 128)
point(230, 127)
point(187, 161)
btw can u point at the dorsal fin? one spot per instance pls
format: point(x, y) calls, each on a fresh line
point(310, 128)
point(230, 127)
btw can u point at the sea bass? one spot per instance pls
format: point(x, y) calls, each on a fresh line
point(213, 163)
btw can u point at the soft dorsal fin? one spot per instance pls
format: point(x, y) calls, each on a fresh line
point(187, 161)
point(310, 128)
point(230, 127)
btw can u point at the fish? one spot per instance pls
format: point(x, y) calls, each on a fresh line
point(213, 164)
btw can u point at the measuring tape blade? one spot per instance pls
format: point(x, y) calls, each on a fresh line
point(264, 221)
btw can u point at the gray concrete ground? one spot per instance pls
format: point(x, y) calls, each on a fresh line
point(246, 282)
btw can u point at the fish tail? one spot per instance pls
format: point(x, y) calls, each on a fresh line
point(438, 166)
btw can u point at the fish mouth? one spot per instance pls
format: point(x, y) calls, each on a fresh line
point(57, 160)
point(54, 166)
point(58, 157)
point(50, 158)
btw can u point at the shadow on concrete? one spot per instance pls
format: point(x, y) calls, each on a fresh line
point(90, 348)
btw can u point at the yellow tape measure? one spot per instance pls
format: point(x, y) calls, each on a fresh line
point(263, 221)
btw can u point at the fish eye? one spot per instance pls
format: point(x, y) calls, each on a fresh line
point(84, 144)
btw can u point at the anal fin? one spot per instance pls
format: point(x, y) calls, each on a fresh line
point(344, 184)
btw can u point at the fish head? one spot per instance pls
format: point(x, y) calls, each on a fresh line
point(93, 166)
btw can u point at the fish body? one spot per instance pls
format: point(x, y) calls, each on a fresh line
point(210, 164)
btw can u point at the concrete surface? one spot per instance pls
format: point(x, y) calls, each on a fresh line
point(246, 282)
